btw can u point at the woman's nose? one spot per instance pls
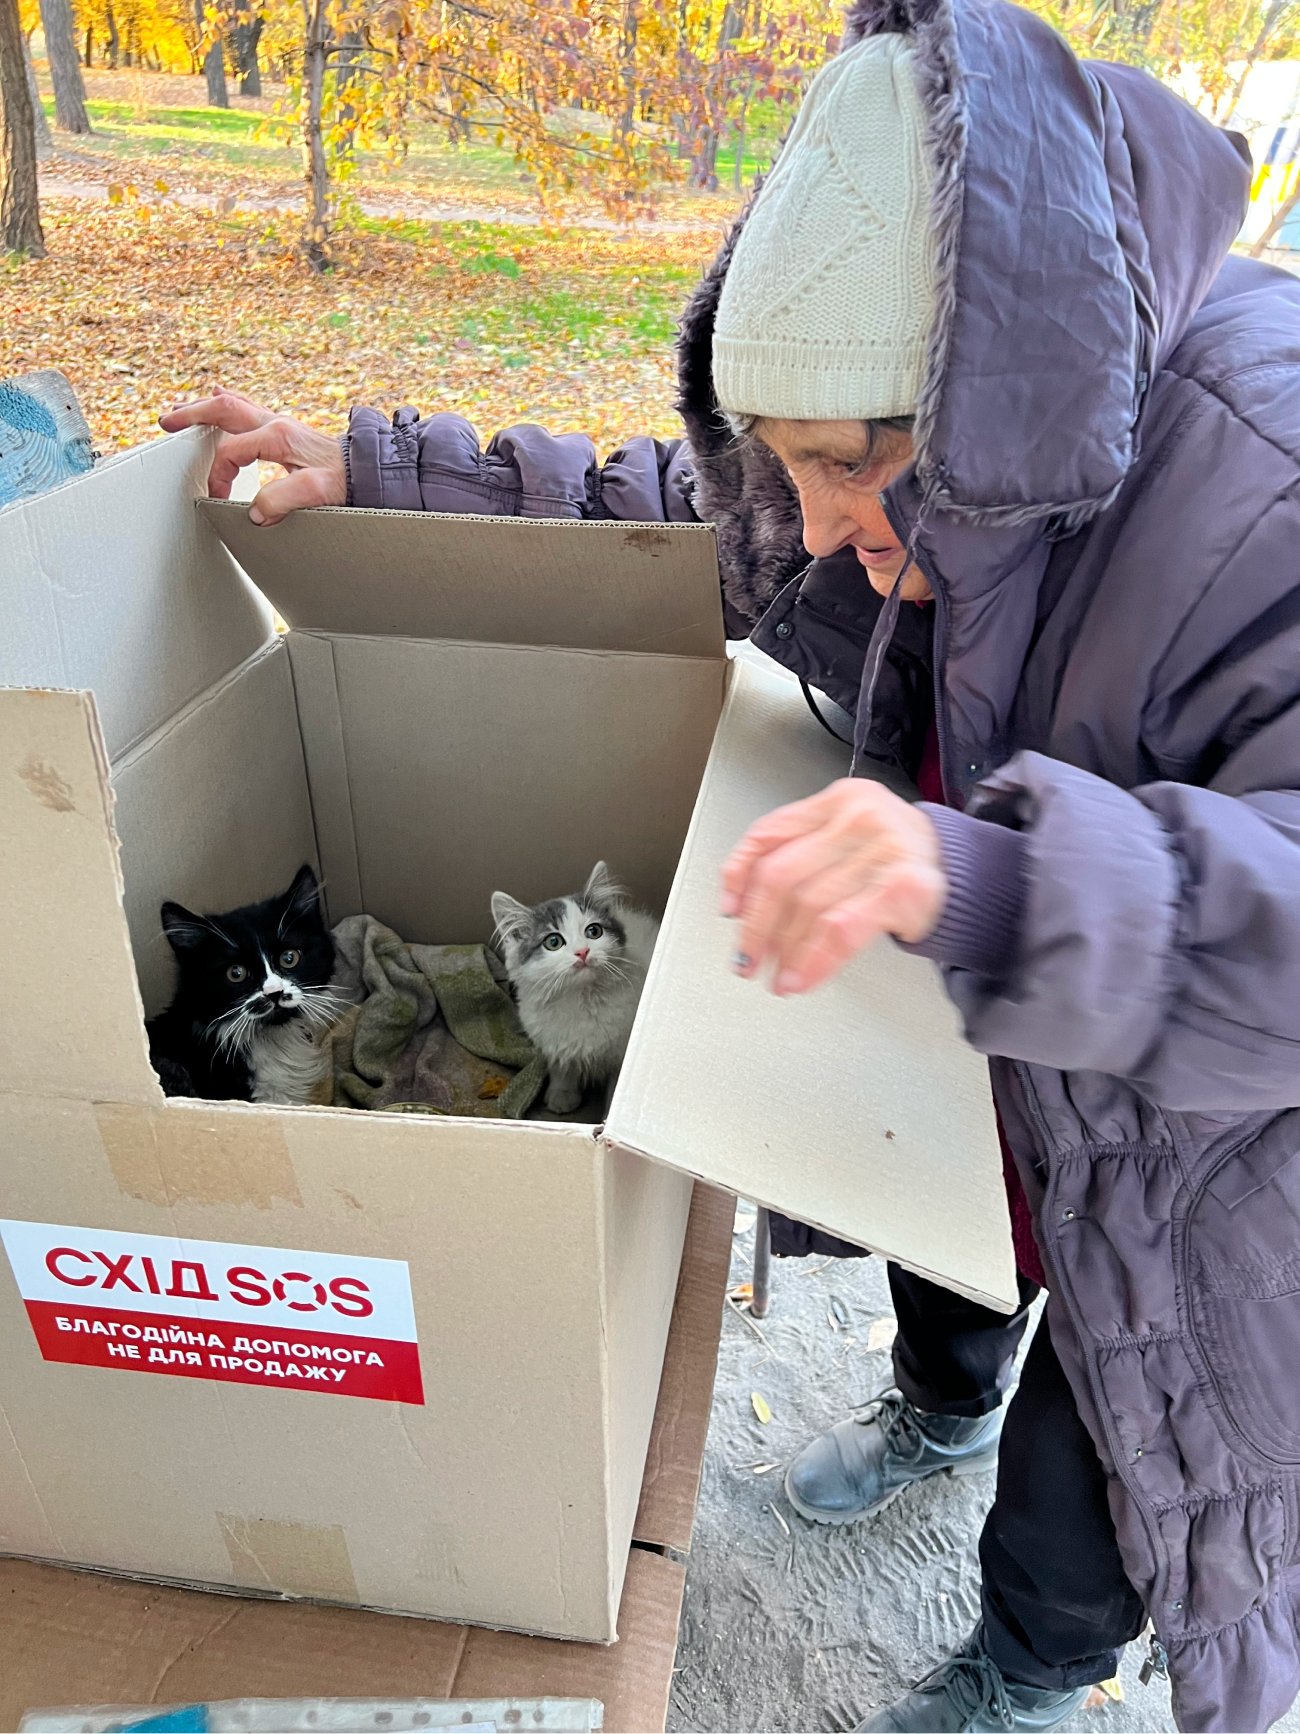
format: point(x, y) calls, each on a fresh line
point(825, 528)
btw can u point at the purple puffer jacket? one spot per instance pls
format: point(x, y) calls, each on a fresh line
point(1107, 503)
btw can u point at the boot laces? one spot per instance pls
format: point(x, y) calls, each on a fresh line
point(897, 1420)
point(973, 1682)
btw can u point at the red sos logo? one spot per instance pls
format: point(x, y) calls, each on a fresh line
point(300, 1292)
point(182, 1279)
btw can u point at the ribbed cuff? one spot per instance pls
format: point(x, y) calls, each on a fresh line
point(985, 865)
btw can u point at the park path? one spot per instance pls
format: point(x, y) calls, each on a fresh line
point(56, 185)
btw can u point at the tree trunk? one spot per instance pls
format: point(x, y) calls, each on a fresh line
point(114, 40)
point(90, 47)
point(704, 159)
point(41, 127)
point(345, 76)
point(316, 237)
point(65, 67)
point(214, 61)
point(247, 37)
point(1273, 16)
point(738, 169)
point(20, 209)
point(626, 121)
point(1277, 222)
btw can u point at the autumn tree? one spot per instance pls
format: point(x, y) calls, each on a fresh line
point(246, 37)
point(1218, 40)
point(211, 22)
point(41, 126)
point(734, 57)
point(59, 29)
point(20, 215)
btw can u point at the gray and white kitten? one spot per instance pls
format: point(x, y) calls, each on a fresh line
point(577, 965)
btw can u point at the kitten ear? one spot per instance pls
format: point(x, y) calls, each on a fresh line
point(185, 932)
point(509, 914)
point(303, 896)
point(601, 886)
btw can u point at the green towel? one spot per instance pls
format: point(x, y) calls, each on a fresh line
point(434, 1030)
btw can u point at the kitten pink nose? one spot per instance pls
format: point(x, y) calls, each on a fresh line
point(584, 954)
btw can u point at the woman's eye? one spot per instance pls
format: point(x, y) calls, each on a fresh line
point(553, 942)
point(595, 931)
point(236, 973)
point(290, 959)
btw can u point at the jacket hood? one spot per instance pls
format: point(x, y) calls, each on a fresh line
point(1080, 214)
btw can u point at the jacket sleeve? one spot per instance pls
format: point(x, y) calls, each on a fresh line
point(437, 465)
point(1158, 932)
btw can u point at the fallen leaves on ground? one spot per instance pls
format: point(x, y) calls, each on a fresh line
point(762, 1408)
point(148, 123)
point(142, 305)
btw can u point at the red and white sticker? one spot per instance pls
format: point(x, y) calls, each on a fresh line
point(207, 1309)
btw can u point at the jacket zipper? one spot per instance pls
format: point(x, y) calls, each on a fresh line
point(1157, 1661)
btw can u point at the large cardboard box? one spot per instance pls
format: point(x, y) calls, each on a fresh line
point(385, 1360)
point(81, 1638)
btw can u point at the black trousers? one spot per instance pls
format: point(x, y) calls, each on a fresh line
point(1057, 1607)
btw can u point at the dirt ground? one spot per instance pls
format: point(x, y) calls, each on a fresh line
point(787, 1626)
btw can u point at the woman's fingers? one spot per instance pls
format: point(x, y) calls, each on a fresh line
point(295, 492)
point(835, 938)
point(254, 434)
point(263, 444)
point(813, 883)
point(786, 888)
point(767, 834)
point(228, 410)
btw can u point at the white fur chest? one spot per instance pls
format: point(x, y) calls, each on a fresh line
point(584, 1030)
point(289, 1068)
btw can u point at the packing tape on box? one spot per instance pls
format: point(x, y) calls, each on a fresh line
point(299, 1559)
point(175, 1155)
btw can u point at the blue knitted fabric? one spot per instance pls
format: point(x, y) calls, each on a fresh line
point(44, 439)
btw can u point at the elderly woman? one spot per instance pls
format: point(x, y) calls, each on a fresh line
point(978, 343)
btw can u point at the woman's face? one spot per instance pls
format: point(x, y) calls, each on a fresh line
point(839, 494)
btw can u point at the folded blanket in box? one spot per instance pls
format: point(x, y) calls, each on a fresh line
point(433, 1030)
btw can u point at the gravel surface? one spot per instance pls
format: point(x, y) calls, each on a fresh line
point(787, 1626)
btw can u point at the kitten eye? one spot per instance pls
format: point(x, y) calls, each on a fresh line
point(290, 959)
point(236, 973)
point(595, 931)
point(553, 942)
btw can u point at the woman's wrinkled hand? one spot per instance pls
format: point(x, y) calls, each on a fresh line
point(253, 434)
point(815, 883)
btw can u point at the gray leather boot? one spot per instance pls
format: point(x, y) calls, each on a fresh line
point(968, 1694)
point(863, 1463)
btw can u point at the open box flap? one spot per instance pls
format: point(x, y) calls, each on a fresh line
point(78, 1032)
point(860, 1108)
point(114, 583)
point(592, 584)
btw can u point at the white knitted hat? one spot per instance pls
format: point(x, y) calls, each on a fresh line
point(829, 296)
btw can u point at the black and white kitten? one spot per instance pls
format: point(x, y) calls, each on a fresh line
point(577, 965)
point(252, 994)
